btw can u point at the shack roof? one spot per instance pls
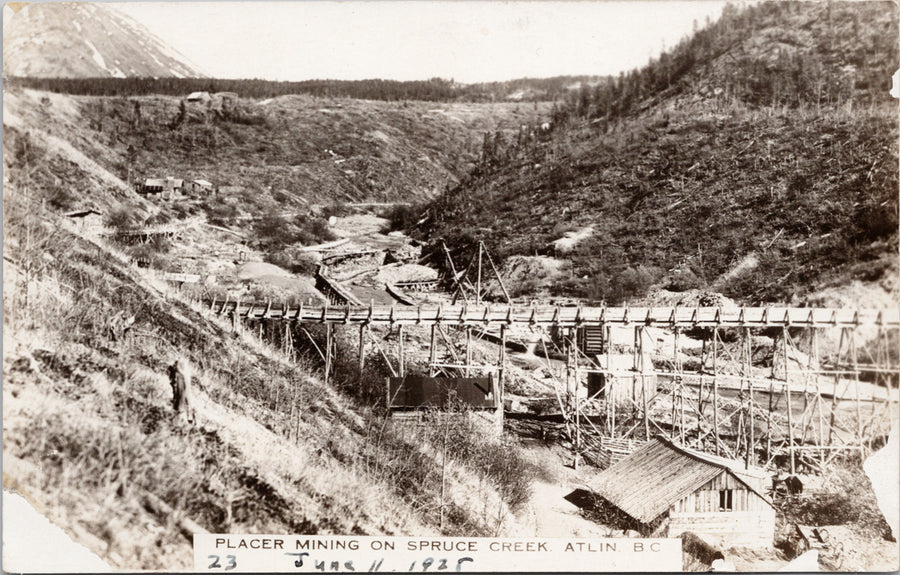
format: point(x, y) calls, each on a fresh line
point(83, 213)
point(659, 474)
point(198, 96)
point(154, 182)
point(203, 183)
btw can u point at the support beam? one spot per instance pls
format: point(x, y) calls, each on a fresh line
point(787, 391)
point(748, 366)
point(501, 381)
point(859, 423)
point(715, 376)
point(432, 352)
point(402, 366)
point(360, 368)
point(639, 331)
point(478, 282)
point(468, 351)
point(329, 350)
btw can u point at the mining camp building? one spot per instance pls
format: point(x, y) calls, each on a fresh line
point(675, 490)
point(88, 221)
point(479, 397)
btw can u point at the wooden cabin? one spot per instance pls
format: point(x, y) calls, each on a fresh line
point(151, 186)
point(672, 489)
point(88, 221)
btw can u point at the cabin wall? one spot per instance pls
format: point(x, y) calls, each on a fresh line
point(750, 522)
point(727, 529)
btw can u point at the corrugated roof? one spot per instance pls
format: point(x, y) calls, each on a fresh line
point(657, 475)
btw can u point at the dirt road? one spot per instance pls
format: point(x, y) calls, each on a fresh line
point(549, 514)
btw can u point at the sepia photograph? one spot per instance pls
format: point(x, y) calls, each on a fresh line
point(451, 285)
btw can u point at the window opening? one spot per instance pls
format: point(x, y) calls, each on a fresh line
point(726, 500)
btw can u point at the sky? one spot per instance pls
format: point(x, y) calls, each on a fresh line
point(464, 40)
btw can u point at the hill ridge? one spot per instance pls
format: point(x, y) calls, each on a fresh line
point(85, 40)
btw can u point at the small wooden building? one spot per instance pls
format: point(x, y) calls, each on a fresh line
point(671, 490)
point(201, 186)
point(151, 186)
point(168, 187)
point(419, 391)
point(88, 221)
point(477, 398)
point(174, 187)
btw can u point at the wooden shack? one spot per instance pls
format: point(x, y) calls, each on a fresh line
point(88, 221)
point(672, 489)
point(151, 186)
point(476, 398)
point(419, 391)
point(199, 186)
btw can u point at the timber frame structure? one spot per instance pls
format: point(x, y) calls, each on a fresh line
point(792, 404)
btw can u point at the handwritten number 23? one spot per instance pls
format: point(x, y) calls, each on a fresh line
point(232, 563)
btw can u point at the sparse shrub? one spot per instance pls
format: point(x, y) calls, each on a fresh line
point(275, 232)
point(335, 209)
point(684, 280)
point(123, 219)
point(294, 261)
point(633, 282)
point(500, 460)
point(152, 255)
point(404, 217)
point(219, 213)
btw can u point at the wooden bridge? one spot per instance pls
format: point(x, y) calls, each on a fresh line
point(559, 316)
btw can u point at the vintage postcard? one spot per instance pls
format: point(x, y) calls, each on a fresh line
point(524, 286)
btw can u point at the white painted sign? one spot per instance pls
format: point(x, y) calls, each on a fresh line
point(330, 554)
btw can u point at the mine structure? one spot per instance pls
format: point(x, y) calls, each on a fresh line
point(803, 407)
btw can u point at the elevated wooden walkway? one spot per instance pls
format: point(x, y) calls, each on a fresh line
point(497, 315)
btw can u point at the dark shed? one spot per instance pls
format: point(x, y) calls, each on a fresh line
point(416, 391)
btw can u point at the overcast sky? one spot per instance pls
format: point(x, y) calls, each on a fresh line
point(469, 41)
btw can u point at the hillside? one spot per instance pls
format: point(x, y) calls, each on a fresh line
point(86, 40)
point(757, 159)
point(91, 440)
point(89, 434)
point(268, 155)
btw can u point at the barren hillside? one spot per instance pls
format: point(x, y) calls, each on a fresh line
point(266, 155)
point(89, 432)
point(757, 158)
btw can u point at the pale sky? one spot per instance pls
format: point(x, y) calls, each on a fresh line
point(469, 41)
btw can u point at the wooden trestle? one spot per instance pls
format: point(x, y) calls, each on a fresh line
point(739, 426)
point(559, 316)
